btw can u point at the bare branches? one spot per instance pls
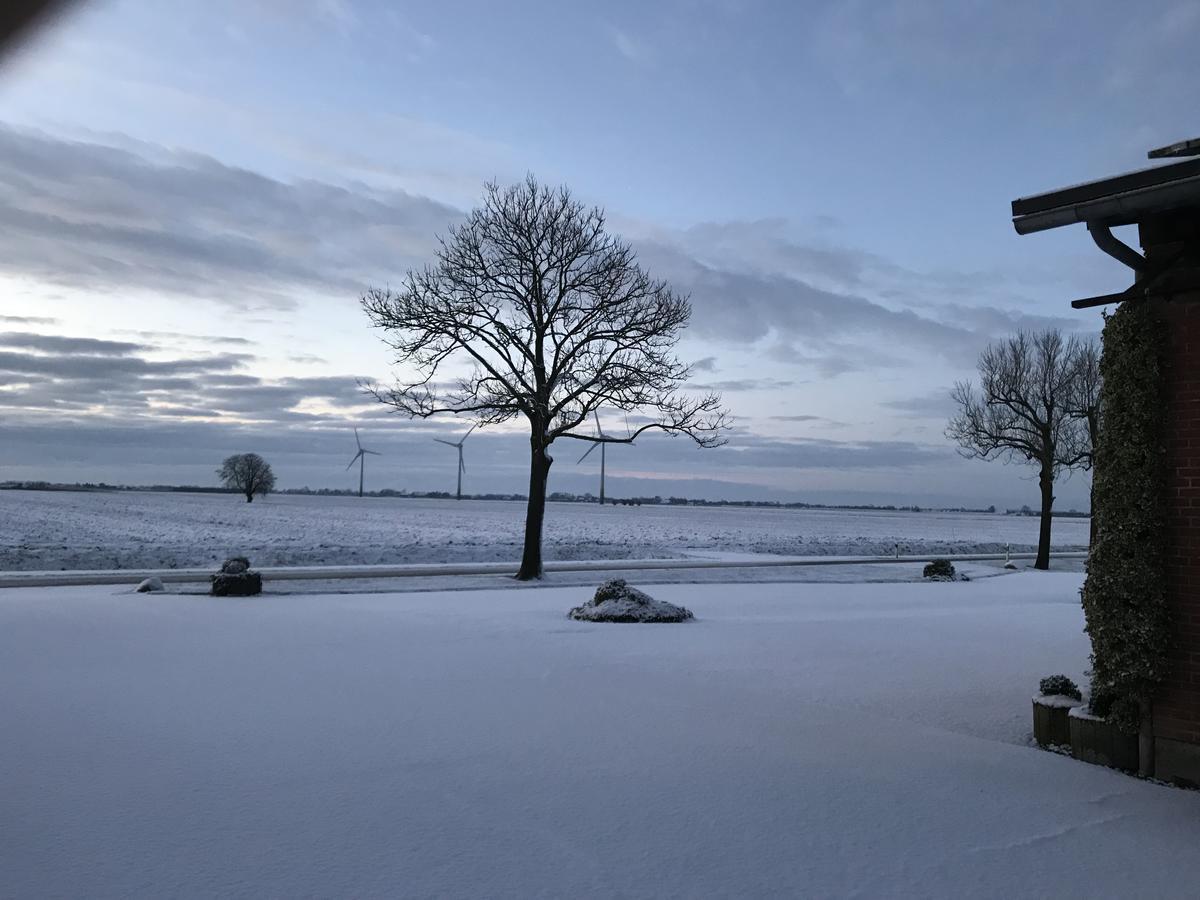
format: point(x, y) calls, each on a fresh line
point(1027, 409)
point(553, 314)
point(1027, 405)
point(1083, 400)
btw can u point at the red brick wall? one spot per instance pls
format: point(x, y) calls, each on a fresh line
point(1177, 708)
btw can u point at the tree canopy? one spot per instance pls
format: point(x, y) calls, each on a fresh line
point(552, 320)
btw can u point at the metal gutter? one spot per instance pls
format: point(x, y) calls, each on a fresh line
point(1114, 209)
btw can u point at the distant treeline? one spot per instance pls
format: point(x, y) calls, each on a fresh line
point(556, 497)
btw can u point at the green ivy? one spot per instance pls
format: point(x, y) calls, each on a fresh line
point(1124, 596)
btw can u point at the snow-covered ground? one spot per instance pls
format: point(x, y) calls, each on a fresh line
point(795, 740)
point(123, 530)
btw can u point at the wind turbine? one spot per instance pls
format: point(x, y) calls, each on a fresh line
point(601, 445)
point(360, 458)
point(462, 467)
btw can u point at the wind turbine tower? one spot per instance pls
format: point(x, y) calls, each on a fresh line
point(462, 467)
point(601, 445)
point(360, 458)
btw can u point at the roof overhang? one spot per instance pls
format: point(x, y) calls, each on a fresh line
point(1122, 200)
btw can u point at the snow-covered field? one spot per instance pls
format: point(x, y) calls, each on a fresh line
point(795, 740)
point(122, 530)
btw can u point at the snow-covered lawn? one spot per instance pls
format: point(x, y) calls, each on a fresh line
point(795, 740)
point(42, 530)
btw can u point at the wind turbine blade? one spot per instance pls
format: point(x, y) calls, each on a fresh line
point(356, 456)
point(589, 450)
point(373, 452)
point(447, 443)
point(356, 440)
point(462, 466)
point(596, 413)
point(468, 434)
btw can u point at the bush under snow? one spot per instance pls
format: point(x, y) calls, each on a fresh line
point(616, 601)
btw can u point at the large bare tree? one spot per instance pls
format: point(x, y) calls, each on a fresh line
point(554, 318)
point(247, 473)
point(1023, 412)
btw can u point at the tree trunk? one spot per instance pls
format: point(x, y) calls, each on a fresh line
point(249, 497)
point(1046, 483)
point(535, 513)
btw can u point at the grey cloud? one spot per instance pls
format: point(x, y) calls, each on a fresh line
point(112, 367)
point(123, 384)
point(220, 340)
point(746, 307)
point(92, 216)
point(705, 364)
point(743, 384)
point(937, 405)
point(832, 308)
point(28, 320)
point(53, 343)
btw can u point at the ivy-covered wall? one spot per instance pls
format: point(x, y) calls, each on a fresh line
point(1124, 596)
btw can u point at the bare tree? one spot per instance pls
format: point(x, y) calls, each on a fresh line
point(1022, 412)
point(554, 318)
point(1084, 404)
point(247, 473)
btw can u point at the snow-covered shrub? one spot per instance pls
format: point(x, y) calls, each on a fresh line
point(235, 565)
point(941, 569)
point(1059, 685)
point(236, 580)
point(1124, 596)
point(616, 601)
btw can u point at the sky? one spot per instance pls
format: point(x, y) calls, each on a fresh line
point(193, 197)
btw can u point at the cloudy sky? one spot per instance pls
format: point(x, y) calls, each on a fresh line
point(193, 196)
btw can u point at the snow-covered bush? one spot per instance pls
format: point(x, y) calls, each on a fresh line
point(941, 569)
point(616, 601)
point(1059, 685)
point(236, 580)
point(1124, 596)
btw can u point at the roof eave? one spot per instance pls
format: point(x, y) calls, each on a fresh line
point(1116, 209)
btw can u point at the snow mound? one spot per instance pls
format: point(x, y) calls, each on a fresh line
point(616, 601)
point(150, 585)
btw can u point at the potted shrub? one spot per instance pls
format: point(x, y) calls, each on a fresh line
point(1096, 740)
point(1057, 696)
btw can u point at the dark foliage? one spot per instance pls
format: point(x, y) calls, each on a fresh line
point(1059, 685)
point(939, 568)
point(1124, 596)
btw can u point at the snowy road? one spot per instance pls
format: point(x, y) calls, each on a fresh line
point(796, 740)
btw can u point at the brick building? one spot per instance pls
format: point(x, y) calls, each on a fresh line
point(1164, 203)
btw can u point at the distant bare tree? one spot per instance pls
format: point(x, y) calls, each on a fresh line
point(248, 473)
point(1022, 411)
point(555, 318)
point(1084, 404)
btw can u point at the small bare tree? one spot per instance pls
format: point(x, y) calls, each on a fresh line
point(555, 319)
point(1084, 404)
point(1022, 412)
point(247, 473)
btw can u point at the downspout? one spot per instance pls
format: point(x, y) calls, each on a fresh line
point(1121, 252)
